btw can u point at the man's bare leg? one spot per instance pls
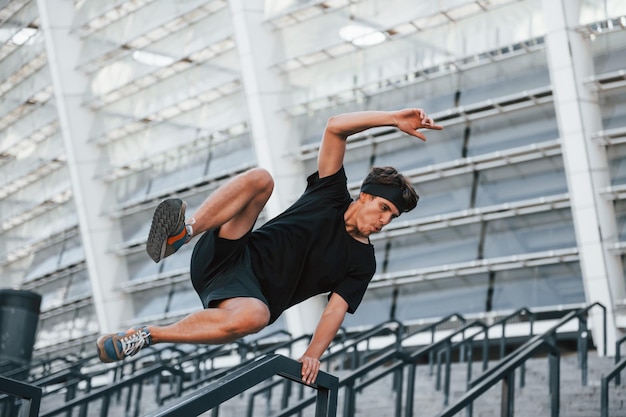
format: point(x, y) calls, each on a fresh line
point(230, 320)
point(234, 206)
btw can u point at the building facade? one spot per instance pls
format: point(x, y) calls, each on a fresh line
point(108, 107)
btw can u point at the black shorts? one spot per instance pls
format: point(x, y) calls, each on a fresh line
point(221, 269)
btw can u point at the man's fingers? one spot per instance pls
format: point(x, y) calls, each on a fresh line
point(420, 136)
point(310, 368)
point(433, 126)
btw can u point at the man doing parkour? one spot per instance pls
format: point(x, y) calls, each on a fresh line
point(246, 278)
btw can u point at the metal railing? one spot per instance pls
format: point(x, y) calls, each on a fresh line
point(371, 366)
point(506, 375)
point(393, 361)
point(466, 348)
point(349, 350)
point(168, 362)
point(22, 390)
point(246, 377)
point(105, 394)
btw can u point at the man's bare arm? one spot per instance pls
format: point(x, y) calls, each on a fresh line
point(326, 330)
point(340, 127)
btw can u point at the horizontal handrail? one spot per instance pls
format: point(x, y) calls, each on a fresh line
point(22, 390)
point(248, 376)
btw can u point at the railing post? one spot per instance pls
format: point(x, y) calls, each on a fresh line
point(446, 381)
point(322, 403)
point(410, 388)
point(583, 336)
point(468, 409)
point(469, 358)
point(508, 395)
point(502, 341)
point(604, 397)
point(399, 376)
point(349, 399)
point(438, 379)
point(618, 358)
point(554, 380)
point(485, 351)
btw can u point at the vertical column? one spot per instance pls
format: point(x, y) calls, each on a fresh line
point(578, 113)
point(271, 136)
point(97, 231)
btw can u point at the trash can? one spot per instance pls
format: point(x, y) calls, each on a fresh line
point(19, 317)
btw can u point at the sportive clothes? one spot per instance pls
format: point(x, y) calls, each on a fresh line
point(302, 252)
point(221, 269)
point(306, 250)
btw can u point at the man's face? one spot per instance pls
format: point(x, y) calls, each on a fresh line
point(376, 213)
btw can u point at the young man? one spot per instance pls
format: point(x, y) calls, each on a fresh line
point(247, 278)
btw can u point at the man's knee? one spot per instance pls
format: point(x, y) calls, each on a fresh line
point(250, 317)
point(261, 179)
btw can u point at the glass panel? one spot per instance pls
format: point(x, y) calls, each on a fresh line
point(374, 309)
point(538, 287)
point(500, 85)
point(85, 322)
point(617, 163)
point(512, 130)
point(55, 329)
point(152, 303)
point(439, 298)
point(176, 174)
point(133, 187)
point(180, 260)
point(522, 181)
point(530, 233)
point(356, 164)
point(441, 196)
point(79, 287)
point(620, 214)
point(140, 266)
point(184, 300)
point(73, 252)
point(433, 248)
point(230, 155)
point(46, 260)
point(53, 293)
point(613, 108)
point(610, 61)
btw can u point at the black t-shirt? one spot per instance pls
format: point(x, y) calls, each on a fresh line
point(306, 250)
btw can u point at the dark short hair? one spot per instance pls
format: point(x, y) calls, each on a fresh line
point(390, 176)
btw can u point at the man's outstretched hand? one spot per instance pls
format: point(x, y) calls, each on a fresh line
point(410, 120)
point(310, 368)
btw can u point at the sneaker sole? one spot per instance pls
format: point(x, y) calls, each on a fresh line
point(166, 218)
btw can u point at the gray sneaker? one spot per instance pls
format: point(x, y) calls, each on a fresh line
point(167, 232)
